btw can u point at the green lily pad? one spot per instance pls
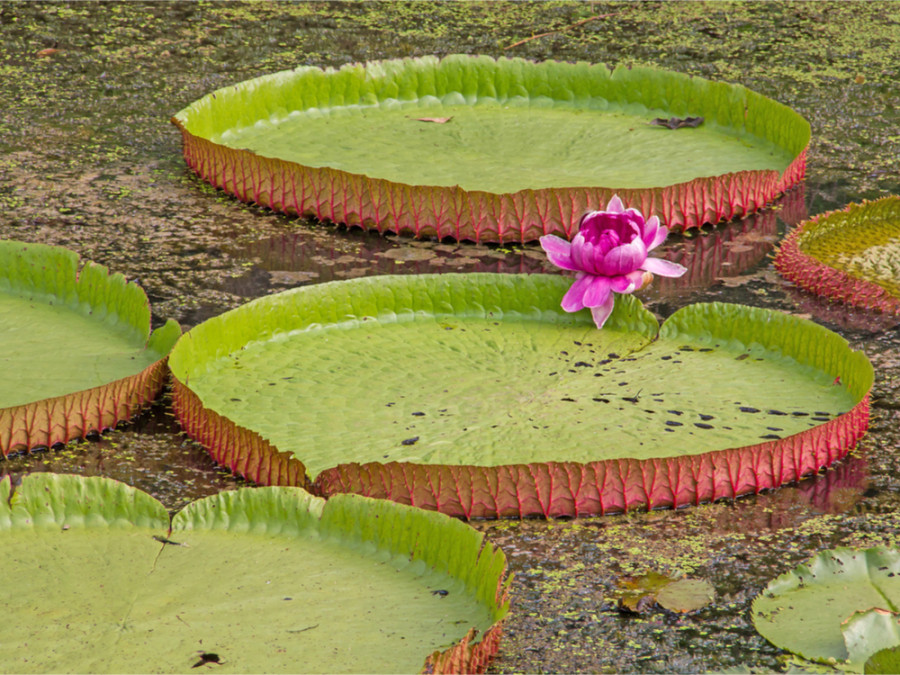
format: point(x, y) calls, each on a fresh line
point(884, 662)
point(477, 395)
point(519, 150)
point(75, 347)
point(257, 580)
point(851, 255)
point(686, 595)
point(838, 608)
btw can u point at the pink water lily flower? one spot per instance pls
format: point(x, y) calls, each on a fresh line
point(609, 254)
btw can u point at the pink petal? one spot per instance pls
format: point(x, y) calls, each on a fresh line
point(601, 313)
point(598, 292)
point(559, 251)
point(622, 259)
point(653, 235)
point(573, 300)
point(615, 205)
point(628, 283)
point(663, 268)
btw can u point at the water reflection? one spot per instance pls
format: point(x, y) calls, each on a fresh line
point(314, 254)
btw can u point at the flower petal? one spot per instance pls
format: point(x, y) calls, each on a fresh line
point(663, 268)
point(623, 259)
point(615, 205)
point(601, 313)
point(573, 300)
point(628, 283)
point(598, 292)
point(559, 251)
point(653, 234)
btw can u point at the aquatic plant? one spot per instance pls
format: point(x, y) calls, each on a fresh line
point(77, 352)
point(257, 580)
point(478, 396)
point(609, 254)
point(839, 608)
point(441, 134)
point(851, 255)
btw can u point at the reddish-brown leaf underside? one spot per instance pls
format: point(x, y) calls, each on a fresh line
point(64, 418)
point(428, 211)
point(817, 277)
point(549, 489)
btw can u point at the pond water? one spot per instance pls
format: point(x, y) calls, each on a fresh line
point(89, 160)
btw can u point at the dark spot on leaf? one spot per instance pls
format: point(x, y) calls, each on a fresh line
point(677, 122)
point(207, 657)
point(411, 441)
point(748, 409)
point(705, 349)
point(822, 414)
point(441, 592)
point(603, 362)
point(601, 400)
point(675, 412)
point(821, 419)
point(774, 428)
point(613, 355)
point(564, 353)
point(553, 373)
point(576, 342)
point(236, 400)
point(703, 425)
point(419, 414)
point(673, 423)
point(776, 412)
point(741, 357)
point(705, 417)
point(772, 436)
point(582, 364)
point(800, 414)
point(570, 400)
point(630, 399)
point(665, 358)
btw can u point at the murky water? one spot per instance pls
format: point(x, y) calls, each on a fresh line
point(88, 160)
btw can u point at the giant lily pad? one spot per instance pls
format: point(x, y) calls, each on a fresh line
point(477, 395)
point(851, 255)
point(75, 346)
point(492, 150)
point(258, 580)
point(840, 607)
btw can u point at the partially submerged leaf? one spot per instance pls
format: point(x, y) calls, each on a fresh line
point(686, 595)
point(271, 580)
point(75, 346)
point(868, 632)
point(852, 255)
point(531, 148)
point(806, 610)
point(639, 593)
point(884, 662)
point(477, 395)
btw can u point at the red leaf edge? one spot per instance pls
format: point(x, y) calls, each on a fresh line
point(816, 277)
point(428, 211)
point(63, 418)
point(547, 489)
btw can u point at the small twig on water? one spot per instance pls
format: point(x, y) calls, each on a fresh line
point(560, 30)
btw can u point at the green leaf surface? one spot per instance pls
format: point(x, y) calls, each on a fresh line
point(852, 255)
point(566, 111)
point(884, 662)
point(269, 580)
point(805, 610)
point(686, 595)
point(868, 632)
point(487, 370)
point(65, 329)
point(561, 136)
